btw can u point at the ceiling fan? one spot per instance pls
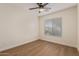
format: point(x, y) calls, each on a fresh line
point(41, 7)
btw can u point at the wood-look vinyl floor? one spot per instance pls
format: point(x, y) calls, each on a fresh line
point(41, 48)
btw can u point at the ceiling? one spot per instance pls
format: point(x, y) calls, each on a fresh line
point(57, 7)
point(54, 7)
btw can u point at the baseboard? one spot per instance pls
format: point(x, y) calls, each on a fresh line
point(31, 40)
point(59, 43)
point(13, 46)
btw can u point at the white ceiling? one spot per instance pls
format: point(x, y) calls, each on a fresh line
point(54, 7)
point(57, 7)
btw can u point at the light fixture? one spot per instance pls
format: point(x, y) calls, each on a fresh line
point(41, 10)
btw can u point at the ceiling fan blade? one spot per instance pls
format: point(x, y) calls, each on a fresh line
point(33, 8)
point(45, 4)
point(39, 4)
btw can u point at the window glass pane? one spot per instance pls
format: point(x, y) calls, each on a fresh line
point(53, 27)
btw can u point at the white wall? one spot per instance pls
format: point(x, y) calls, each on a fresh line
point(69, 27)
point(17, 26)
point(78, 26)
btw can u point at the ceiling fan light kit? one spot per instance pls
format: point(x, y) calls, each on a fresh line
point(41, 7)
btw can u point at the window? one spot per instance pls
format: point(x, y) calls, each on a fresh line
point(53, 27)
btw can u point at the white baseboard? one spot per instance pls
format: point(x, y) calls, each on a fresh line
point(60, 43)
point(30, 40)
point(12, 46)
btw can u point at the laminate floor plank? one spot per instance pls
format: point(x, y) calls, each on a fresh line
point(41, 48)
